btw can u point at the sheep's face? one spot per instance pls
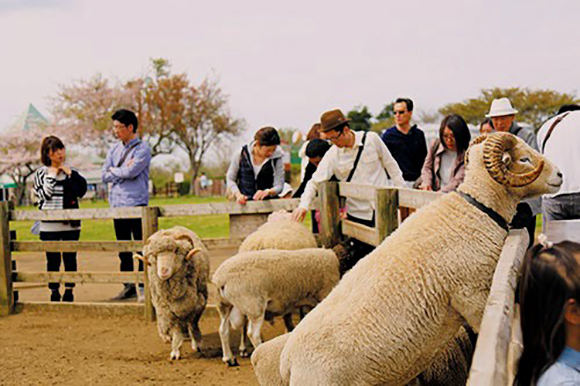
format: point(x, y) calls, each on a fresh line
point(513, 163)
point(167, 264)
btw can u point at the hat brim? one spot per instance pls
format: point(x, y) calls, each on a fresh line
point(329, 128)
point(494, 114)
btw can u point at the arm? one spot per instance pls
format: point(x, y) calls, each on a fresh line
point(232, 174)
point(44, 182)
point(387, 161)
point(427, 170)
point(310, 169)
point(106, 175)
point(278, 176)
point(139, 161)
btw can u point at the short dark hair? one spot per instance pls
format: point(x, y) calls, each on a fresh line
point(458, 126)
point(267, 136)
point(568, 107)
point(50, 143)
point(407, 102)
point(317, 148)
point(127, 118)
point(486, 121)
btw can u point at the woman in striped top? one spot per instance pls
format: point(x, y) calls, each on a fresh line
point(58, 187)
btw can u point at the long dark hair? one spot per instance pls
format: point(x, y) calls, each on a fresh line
point(550, 277)
point(50, 143)
point(458, 126)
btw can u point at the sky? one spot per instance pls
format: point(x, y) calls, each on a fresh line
point(284, 63)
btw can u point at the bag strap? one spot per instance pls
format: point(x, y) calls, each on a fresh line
point(126, 153)
point(558, 120)
point(360, 150)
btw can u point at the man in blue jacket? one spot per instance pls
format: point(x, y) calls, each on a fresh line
point(126, 168)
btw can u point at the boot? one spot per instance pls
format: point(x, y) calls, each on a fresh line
point(68, 295)
point(55, 296)
point(128, 292)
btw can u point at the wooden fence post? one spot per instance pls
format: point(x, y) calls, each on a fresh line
point(6, 300)
point(329, 214)
point(387, 205)
point(149, 221)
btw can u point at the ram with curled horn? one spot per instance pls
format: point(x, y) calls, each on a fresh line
point(396, 314)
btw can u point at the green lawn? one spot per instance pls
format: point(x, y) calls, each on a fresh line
point(210, 226)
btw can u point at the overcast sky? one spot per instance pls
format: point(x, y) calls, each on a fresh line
point(284, 63)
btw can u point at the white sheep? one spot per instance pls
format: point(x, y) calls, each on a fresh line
point(279, 232)
point(260, 284)
point(178, 273)
point(390, 316)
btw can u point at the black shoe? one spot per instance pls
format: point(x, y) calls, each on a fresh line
point(68, 296)
point(55, 296)
point(128, 292)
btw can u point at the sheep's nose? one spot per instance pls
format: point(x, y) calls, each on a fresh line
point(164, 271)
point(560, 175)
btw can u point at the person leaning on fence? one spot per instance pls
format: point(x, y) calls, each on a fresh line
point(126, 168)
point(256, 172)
point(550, 315)
point(58, 187)
point(358, 157)
point(315, 151)
point(444, 167)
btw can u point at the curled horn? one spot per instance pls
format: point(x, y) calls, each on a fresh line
point(477, 140)
point(142, 258)
point(185, 237)
point(493, 159)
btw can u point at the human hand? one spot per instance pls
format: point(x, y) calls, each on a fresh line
point(241, 199)
point(261, 194)
point(298, 214)
point(66, 170)
point(426, 187)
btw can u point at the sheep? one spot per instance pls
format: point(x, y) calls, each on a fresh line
point(390, 316)
point(178, 271)
point(266, 361)
point(279, 232)
point(270, 282)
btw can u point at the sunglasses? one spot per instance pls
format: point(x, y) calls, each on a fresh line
point(399, 112)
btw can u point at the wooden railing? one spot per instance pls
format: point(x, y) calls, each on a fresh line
point(243, 220)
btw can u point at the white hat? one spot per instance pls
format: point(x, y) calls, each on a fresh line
point(286, 189)
point(500, 107)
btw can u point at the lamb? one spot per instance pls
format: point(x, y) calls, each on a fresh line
point(389, 317)
point(280, 232)
point(270, 282)
point(178, 273)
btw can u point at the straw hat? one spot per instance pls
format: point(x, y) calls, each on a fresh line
point(500, 107)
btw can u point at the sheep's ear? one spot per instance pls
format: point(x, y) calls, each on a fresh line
point(192, 253)
point(139, 257)
point(506, 159)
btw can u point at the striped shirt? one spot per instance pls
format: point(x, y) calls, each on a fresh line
point(50, 192)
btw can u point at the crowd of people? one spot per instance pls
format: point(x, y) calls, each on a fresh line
point(399, 157)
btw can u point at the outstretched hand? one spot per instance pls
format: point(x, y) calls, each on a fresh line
point(261, 194)
point(298, 214)
point(241, 199)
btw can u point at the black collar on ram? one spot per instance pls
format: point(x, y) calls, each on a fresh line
point(490, 212)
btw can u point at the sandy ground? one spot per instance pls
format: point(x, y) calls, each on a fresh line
point(51, 348)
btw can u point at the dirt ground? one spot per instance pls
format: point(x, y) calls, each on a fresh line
point(49, 348)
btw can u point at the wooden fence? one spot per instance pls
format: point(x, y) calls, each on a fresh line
point(243, 219)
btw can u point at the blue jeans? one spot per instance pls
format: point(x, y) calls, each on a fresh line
point(562, 207)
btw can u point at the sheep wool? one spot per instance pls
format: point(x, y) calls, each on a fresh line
point(399, 307)
point(279, 232)
point(180, 299)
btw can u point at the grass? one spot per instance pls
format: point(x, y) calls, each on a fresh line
point(209, 226)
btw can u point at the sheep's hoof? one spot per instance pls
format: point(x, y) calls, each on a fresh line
point(232, 362)
point(244, 353)
point(175, 355)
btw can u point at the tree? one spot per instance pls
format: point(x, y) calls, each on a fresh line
point(19, 158)
point(534, 106)
point(360, 119)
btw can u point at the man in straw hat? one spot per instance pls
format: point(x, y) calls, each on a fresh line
point(359, 157)
point(503, 116)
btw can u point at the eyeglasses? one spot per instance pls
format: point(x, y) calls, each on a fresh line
point(399, 112)
point(335, 138)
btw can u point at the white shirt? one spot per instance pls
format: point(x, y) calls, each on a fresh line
point(375, 158)
point(563, 149)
